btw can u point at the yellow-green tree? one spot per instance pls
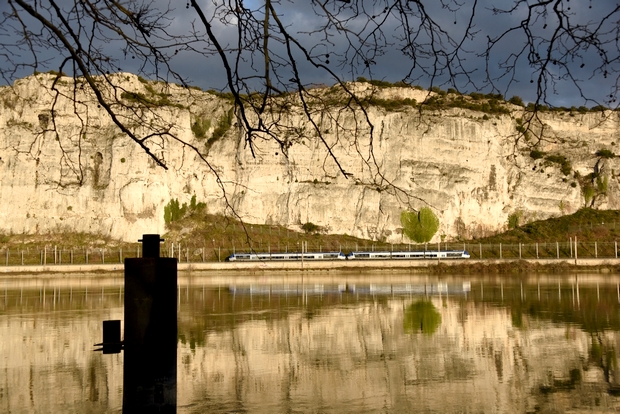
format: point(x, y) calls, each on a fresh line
point(419, 226)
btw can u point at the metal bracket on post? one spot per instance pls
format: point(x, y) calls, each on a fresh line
point(112, 343)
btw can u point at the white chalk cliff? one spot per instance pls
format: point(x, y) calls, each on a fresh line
point(66, 166)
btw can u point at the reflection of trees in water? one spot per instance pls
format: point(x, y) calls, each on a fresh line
point(570, 383)
point(592, 308)
point(554, 372)
point(39, 300)
point(603, 355)
point(421, 316)
point(217, 309)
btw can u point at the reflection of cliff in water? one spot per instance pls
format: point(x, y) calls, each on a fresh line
point(349, 349)
point(591, 307)
point(327, 349)
point(47, 335)
point(239, 303)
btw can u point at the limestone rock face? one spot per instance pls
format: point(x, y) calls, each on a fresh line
point(66, 165)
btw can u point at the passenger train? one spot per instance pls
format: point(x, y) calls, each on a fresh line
point(247, 257)
point(313, 256)
point(428, 254)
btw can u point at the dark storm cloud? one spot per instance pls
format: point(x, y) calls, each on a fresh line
point(561, 93)
point(304, 20)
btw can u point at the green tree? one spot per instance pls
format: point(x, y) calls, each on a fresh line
point(605, 153)
point(516, 100)
point(514, 219)
point(587, 189)
point(421, 226)
point(195, 207)
point(173, 211)
point(200, 127)
point(310, 227)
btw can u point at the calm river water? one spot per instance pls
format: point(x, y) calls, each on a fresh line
point(327, 343)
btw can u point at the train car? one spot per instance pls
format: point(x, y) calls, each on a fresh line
point(428, 254)
point(248, 257)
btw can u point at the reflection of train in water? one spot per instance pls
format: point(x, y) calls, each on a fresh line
point(428, 254)
point(411, 289)
point(372, 289)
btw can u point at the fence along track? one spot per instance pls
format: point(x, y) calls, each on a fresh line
point(217, 253)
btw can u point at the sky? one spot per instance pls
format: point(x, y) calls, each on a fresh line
point(579, 72)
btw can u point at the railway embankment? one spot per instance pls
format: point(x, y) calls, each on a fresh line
point(465, 266)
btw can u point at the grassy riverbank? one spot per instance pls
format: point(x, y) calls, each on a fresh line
point(207, 230)
point(586, 225)
point(212, 237)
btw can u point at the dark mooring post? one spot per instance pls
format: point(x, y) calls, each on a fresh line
point(150, 343)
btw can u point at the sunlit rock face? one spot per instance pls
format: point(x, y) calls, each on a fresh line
point(66, 165)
